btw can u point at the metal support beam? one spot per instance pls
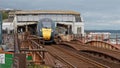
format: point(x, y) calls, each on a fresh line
point(34, 50)
point(19, 60)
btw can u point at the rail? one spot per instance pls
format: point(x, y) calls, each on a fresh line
point(75, 56)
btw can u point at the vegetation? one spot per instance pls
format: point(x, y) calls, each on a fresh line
point(4, 15)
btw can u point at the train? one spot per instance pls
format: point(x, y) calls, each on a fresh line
point(46, 29)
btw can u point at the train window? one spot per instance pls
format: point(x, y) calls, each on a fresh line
point(47, 24)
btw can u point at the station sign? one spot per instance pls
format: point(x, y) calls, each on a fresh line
point(2, 58)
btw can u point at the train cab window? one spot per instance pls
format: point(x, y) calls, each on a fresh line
point(47, 24)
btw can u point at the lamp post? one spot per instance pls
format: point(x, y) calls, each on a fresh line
point(0, 28)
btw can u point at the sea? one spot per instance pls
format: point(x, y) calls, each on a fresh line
point(114, 33)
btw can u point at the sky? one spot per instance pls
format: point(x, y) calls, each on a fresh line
point(96, 14)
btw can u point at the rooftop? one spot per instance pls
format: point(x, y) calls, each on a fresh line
point(47, 12)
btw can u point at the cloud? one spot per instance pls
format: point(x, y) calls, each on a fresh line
point(117, 22)
point(108, 25)
point(97, 14)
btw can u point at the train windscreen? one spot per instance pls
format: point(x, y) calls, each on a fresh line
point(47, 24)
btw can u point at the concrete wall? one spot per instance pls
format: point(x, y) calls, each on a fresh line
point(77, 25)
point(53, 17)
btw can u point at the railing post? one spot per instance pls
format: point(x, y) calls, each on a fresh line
point(116, 39)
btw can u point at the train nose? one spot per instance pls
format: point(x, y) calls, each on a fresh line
point(46, 33)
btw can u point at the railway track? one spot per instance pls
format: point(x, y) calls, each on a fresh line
point(71, 59)
point(99, 57)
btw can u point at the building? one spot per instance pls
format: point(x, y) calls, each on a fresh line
point(72, 18)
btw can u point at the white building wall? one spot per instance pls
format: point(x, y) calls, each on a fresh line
point(7, 25)
point(65, 19)
point(76, 25)
point(53, 17)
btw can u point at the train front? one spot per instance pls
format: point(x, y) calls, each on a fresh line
point(46, 29)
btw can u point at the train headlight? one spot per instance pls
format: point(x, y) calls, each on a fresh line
point(40, 30)
point(51, 30)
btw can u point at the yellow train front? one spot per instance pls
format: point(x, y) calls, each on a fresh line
point(46, 29)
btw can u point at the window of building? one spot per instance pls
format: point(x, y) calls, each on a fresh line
point(79, 30)
point(78, 18)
